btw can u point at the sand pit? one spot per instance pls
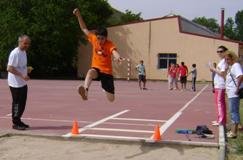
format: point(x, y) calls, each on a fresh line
point(30, 147)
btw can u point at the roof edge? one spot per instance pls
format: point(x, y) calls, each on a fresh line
point(147, 20)
point(179, 24)
point(200, 35)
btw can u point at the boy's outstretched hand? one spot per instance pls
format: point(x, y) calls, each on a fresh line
point(76, 12)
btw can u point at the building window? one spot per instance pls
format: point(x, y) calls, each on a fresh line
point(164, 59)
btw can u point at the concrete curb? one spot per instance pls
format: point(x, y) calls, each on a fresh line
point(116, 140)
point(222, 144)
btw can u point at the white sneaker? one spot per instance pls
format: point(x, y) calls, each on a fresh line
point(231, 135)
point(83, 92)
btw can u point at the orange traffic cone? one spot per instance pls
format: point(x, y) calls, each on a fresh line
point(75, 128)
point(156, 136)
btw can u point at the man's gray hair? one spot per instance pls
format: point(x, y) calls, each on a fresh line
point(24, 36)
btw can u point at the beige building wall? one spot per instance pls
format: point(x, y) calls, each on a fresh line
point(147, 39)
point(132, 42)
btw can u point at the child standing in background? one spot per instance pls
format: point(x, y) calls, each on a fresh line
point(141, 75)
point(172, 71)
point(194, 77)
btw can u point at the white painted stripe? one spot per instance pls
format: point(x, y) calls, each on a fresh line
point(70, 121)
point(112, 137)
point(168, 123)
point(121, 130)
point(128, 124)
point(135, 119)
point(97, 123)
point(48, 120)
point(188, 103)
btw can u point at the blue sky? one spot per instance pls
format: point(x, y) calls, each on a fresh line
point(186, 8)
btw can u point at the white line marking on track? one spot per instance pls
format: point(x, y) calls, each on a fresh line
point(47, 120)
point(135, 119)
point(71, 121)
point(167, 124)
point(121, 130)
point(97, 123)
point(128, 124)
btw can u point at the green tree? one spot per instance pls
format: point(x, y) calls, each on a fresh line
point(229, 29)
point(119, 18)
point(210, 23)
point(53, 29)
point(239, 25)
point(129, 16)
point(11, 24)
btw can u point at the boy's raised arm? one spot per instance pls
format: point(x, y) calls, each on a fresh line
point(81, 22)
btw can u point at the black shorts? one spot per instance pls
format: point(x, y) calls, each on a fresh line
point(142, 78)
point(183, 79)
point(107, 81)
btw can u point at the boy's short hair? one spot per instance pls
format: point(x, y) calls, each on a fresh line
point(194, 65)
point(102, 31)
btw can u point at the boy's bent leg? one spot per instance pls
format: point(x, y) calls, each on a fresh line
point(107, 83)
point(83, 90)
point(92, 74)
point(110, 96)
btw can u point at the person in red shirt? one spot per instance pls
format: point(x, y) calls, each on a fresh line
point(172, 74)
point(183, 72)
point(101, 67)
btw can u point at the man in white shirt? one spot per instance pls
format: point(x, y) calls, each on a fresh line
point(17, 77)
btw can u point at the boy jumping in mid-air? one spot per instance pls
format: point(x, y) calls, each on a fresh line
point(101, 67)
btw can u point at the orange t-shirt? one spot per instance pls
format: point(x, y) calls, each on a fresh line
point(101, 58)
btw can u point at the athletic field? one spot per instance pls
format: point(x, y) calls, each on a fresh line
point(53, 106)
